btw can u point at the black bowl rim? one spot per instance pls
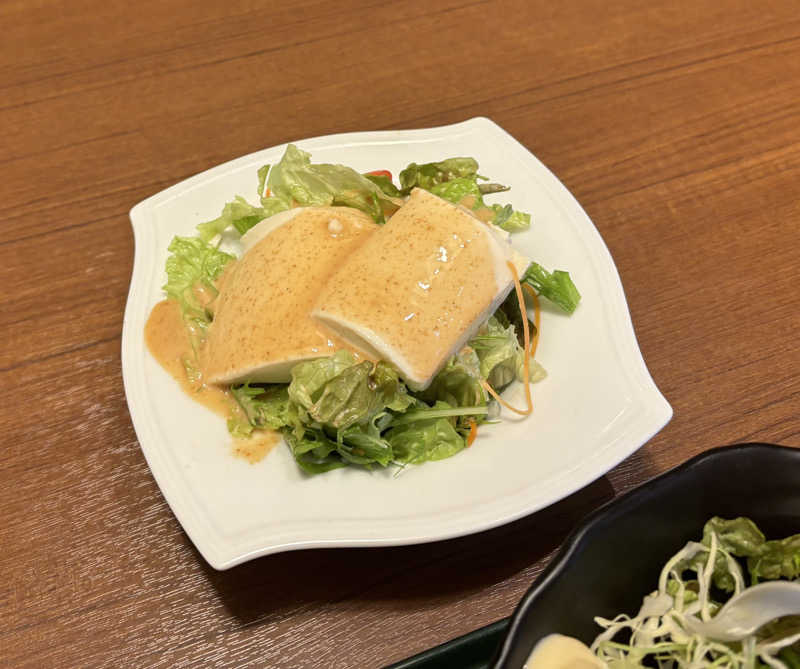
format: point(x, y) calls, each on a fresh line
point(572, 543)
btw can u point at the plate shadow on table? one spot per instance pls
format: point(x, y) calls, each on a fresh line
point(397, 578)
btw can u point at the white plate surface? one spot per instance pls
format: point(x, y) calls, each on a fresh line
point(596, 407)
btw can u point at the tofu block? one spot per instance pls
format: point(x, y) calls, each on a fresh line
point(420, 286)
point(262, 325)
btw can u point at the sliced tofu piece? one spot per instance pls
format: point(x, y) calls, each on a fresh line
point(420, 287)
point(262, 325)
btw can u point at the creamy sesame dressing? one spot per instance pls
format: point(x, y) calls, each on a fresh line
point(417, 288)
point(262, 325)
point(168, 342)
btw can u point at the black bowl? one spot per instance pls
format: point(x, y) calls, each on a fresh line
point(613, 559)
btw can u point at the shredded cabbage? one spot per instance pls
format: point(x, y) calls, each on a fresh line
point(689, 585)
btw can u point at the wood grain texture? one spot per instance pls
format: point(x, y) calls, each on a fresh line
point(675, 124)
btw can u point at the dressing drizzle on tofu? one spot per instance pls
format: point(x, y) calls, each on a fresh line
point(419, 287)
point(262, 325)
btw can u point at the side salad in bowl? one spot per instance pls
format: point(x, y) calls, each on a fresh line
point(673, 627)
point(640, 581)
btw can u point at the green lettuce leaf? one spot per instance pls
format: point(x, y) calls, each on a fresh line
point(423, 440)
point(264, 406)
point(779, 558)
point(241, 215)
point(458, 384)
point(357, 412)
point(505, 217)
point(556, 286)
point(314, 452)
point(192, 268)
point(454, 179)
point(384, 183)
point(296, 179)
point(309, 378)
point(500, 355)
point(238, 426)
point(429, 175)
point(357, 394)
point(739, 537)
point(363, 444)
point(456, 190)
point(509, 219)
point(346, 398)
point(766, 560)
point(339, 392)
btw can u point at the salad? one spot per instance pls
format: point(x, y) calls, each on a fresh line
point(732, 556)
point(339, 410)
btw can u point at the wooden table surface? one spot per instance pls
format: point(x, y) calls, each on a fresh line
point(675, 124)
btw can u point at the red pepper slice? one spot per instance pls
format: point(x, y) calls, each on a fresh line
point(381, 173)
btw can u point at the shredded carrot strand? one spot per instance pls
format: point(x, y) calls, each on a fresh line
point(501, 401)
point(473, 432)
point(537, 315)
point(526, 337)
point(526, 347)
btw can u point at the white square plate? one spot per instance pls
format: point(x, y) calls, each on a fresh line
point(596, 407)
